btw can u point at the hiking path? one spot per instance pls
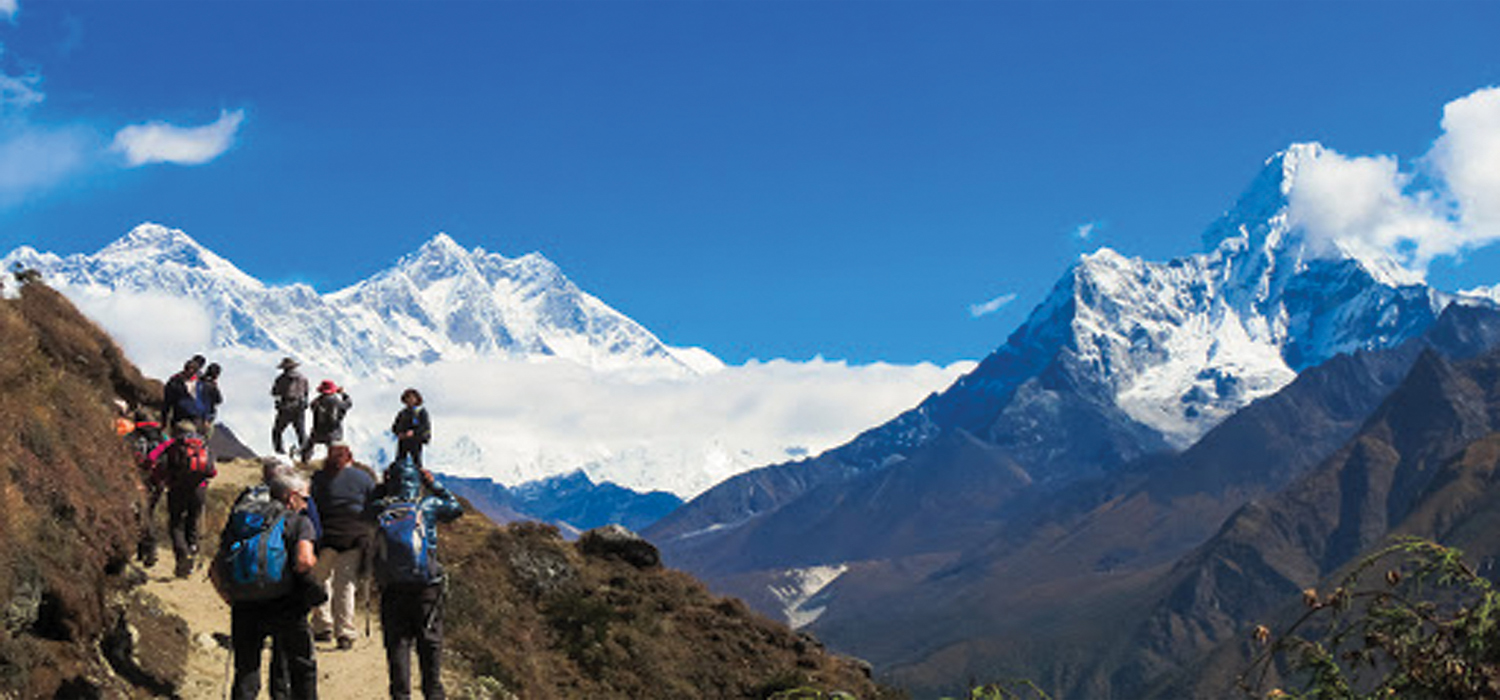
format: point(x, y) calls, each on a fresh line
point(353, 674)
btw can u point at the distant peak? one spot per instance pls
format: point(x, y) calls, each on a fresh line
point(1293, 159)
point(443, 241)
point(149, 236)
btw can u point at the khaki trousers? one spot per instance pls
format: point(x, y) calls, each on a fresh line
point(338, 572)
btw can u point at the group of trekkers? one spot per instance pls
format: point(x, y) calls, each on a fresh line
point(296, 549)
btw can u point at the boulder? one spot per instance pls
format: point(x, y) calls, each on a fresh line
point(617, 542)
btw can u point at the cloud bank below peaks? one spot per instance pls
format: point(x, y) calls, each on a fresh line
point(1446, 205)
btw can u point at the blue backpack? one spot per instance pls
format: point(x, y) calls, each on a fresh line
point(254, 551)
point(403, 552)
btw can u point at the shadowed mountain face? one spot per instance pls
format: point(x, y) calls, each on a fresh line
point(1108, 590)
point(960, 566)
point(1423, 465)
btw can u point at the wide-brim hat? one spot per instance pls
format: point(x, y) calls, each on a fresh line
point(328, 387)
point(287, 363)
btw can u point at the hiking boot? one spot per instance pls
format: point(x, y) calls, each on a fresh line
point(345, 644)
point(184, 568)
point(324, 636)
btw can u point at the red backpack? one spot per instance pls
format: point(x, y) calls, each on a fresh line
point(188, 454)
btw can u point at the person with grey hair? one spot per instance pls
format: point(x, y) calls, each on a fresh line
point(283, 618)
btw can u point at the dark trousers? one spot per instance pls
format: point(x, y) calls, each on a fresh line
point(184, 507)
point(146, 548)
point(289, 417)
point(413, 615)
point(409, 446)
point(285, 623)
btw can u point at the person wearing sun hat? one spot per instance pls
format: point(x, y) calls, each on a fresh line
point(290, 392)
point(328, 411)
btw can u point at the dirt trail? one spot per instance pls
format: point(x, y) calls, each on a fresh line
point(354, 674)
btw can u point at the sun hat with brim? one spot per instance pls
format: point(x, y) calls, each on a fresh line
point(328, 387)
point(287, 363)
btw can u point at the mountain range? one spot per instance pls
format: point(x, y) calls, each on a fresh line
point(442, 306)
point(1022, 521)
point(442, 302)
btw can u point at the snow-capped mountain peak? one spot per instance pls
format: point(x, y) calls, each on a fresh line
point(157, 245)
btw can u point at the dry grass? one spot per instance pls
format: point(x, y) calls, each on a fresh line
point(66, 532)
point(528, 610)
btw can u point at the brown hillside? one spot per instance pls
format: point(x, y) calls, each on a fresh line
point(538, 616)
point(67, 521)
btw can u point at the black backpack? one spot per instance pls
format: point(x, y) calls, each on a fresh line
point(327, 413)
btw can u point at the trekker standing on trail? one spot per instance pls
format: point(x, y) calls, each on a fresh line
point(281, 613)
point(271, 468)
point(343, 492)
point(184, 466)
point(328, 411)
point(412, 583)
point(143, 440)
point(413, 427)
point(209, 397)
point(179, 400)
point(290, 390)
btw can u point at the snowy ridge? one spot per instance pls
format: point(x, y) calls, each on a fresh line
point(441, 303)
point(1175, 346)
point(798, 592)
point(1186, 343)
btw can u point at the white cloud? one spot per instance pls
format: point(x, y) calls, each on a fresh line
point(160, 142)
point(991, 306)
point(19, 92)
point(9, 8)
point(1448, 205)
point(1085, 231)
point(157, 331)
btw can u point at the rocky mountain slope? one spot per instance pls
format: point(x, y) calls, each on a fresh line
point(1423, 465)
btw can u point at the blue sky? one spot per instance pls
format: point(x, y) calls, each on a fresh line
point(870, 181)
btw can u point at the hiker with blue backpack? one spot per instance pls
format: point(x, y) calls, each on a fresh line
point(343, 492)
point(184, 466)
point(412, 583)
point(263, 570)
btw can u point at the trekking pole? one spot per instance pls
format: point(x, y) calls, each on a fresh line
point(228, 672)
point(369, 603)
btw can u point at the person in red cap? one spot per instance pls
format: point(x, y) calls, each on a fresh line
point(328, 412)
